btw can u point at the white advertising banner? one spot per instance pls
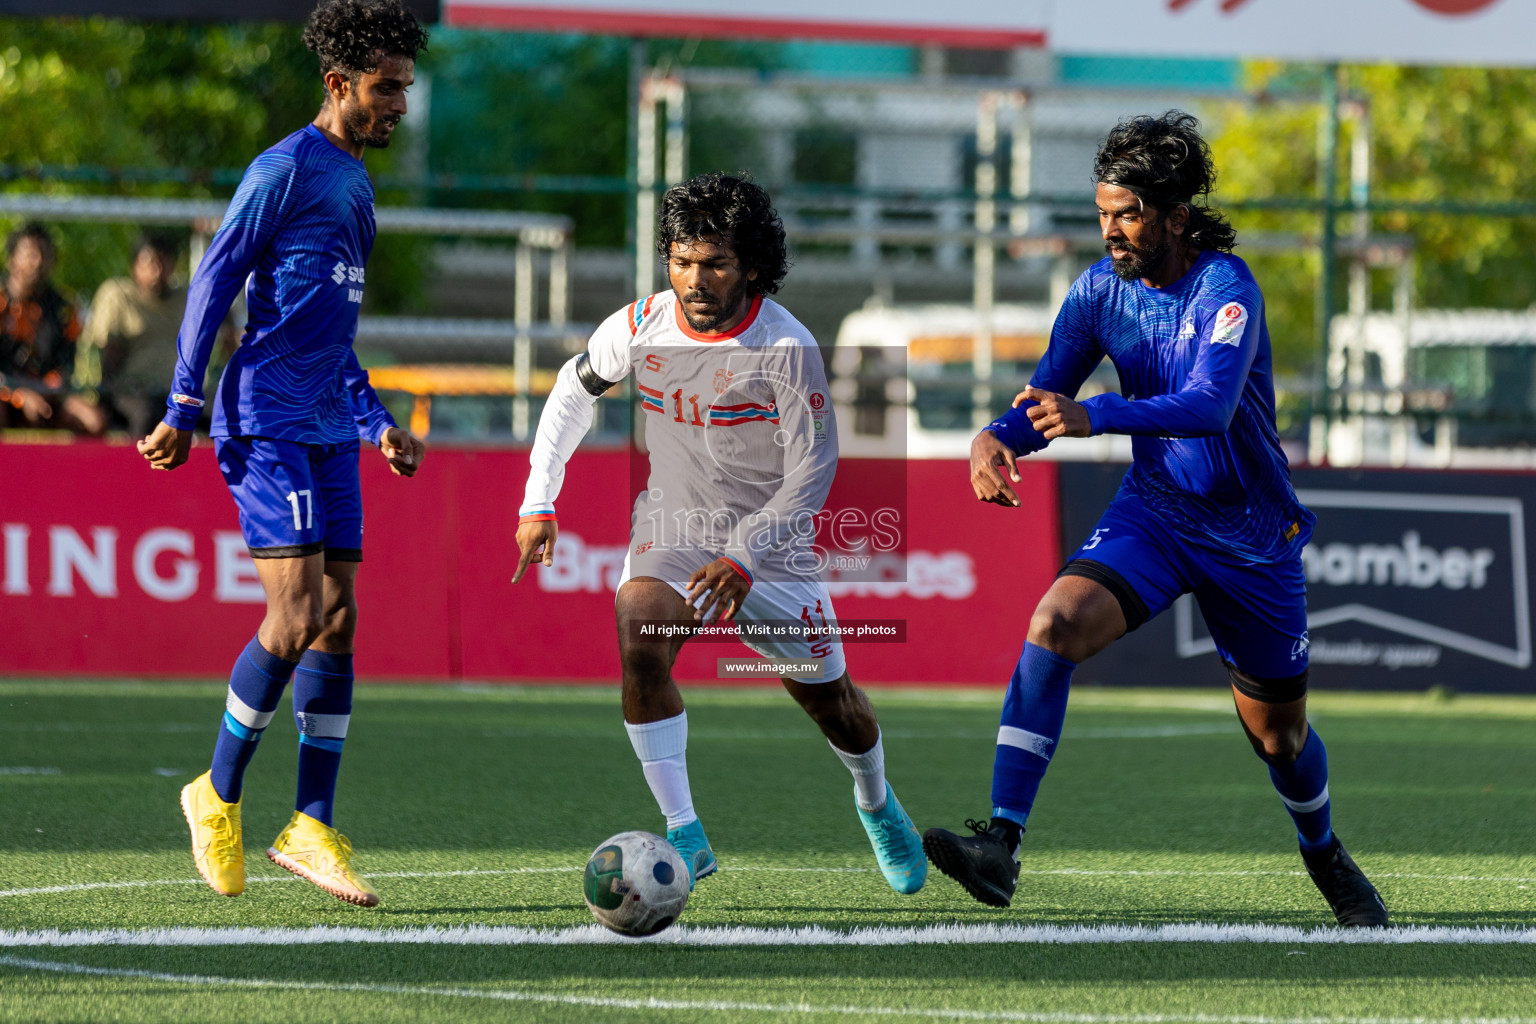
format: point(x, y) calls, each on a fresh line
point(1361, 31)
point(1006, 24)
point(1365, 31)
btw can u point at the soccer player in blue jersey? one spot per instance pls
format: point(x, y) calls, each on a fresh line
point(290, 410)
point(1206, 508)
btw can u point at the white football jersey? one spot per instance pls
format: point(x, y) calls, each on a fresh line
point(739, 429)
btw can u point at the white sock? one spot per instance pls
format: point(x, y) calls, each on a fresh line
point(868, 771)
point(662, 748)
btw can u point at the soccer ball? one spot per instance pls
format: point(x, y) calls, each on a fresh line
point(636, 883)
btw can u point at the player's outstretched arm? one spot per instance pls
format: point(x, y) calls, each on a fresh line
point(989, 456)
point(166, 447)
point(535, 539)
point(404, 450)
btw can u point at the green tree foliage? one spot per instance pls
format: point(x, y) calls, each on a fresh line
point(1438, 135)
point(197, 101)
point(557, 105)
point(102, 92)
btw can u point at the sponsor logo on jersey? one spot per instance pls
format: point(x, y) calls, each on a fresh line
point(180, 399)
point(1299, 648)
point(655, 363)
point(1230, 322)
point(341, 273)
point(1188, 330)
point(818, 400)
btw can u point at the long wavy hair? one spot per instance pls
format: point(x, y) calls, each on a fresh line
point(1166, 163)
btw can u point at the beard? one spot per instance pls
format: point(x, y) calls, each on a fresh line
point(711, 320)
point(366, 130)
point(1142, 262)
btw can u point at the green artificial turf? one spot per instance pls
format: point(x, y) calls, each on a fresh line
point(479, 805)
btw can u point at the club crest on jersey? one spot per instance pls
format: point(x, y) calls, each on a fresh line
point(722, 381)
point(1230, 322)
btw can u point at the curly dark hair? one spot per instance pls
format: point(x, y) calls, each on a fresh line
point(352, 36)
point(734, 211)
point(1166, 163)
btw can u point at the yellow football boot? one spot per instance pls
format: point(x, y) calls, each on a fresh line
point(313, 850)
point(215, 836)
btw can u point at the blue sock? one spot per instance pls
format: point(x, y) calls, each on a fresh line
point(1033, 712)
point(255, 687)
point(1303, 787)
point(322, 707)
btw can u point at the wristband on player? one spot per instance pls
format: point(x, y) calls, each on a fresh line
point(543, 515)
point(745, 574)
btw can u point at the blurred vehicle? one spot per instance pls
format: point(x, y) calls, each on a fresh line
point(922, 380)
point(1434, 387)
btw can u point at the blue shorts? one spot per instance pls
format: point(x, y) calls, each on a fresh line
point(295, 499)
point(1256, 611)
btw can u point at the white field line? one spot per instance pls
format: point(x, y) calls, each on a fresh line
point(253, 879)
point(683, 935)
point(722, 1006)
point(48, 890)
point(793, 735)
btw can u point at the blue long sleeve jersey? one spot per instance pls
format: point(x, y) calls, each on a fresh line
point(1197, 396)
point(300, 228)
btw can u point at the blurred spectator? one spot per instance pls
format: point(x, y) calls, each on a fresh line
point(38, 330)
point(128, 349)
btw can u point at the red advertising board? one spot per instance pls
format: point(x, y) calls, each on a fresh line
point(108, 568)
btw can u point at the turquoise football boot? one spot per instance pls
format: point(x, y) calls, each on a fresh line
point(693, 845)
point(898, 847)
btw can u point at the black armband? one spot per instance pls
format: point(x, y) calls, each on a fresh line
point(595, 385)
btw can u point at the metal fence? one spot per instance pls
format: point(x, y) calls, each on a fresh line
point(956, 205)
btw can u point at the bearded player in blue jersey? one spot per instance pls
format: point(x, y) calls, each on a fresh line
point(1206, 508)
point(290, 410)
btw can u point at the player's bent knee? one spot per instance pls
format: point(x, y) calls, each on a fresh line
point(645, 666)
point(1062, 630)
point(340, 623)
point(1283, 734)
point(832, 700)
point(1279, 747)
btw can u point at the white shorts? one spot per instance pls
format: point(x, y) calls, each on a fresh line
point(768, 601)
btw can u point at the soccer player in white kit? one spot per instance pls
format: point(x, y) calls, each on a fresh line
point(743, 448)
